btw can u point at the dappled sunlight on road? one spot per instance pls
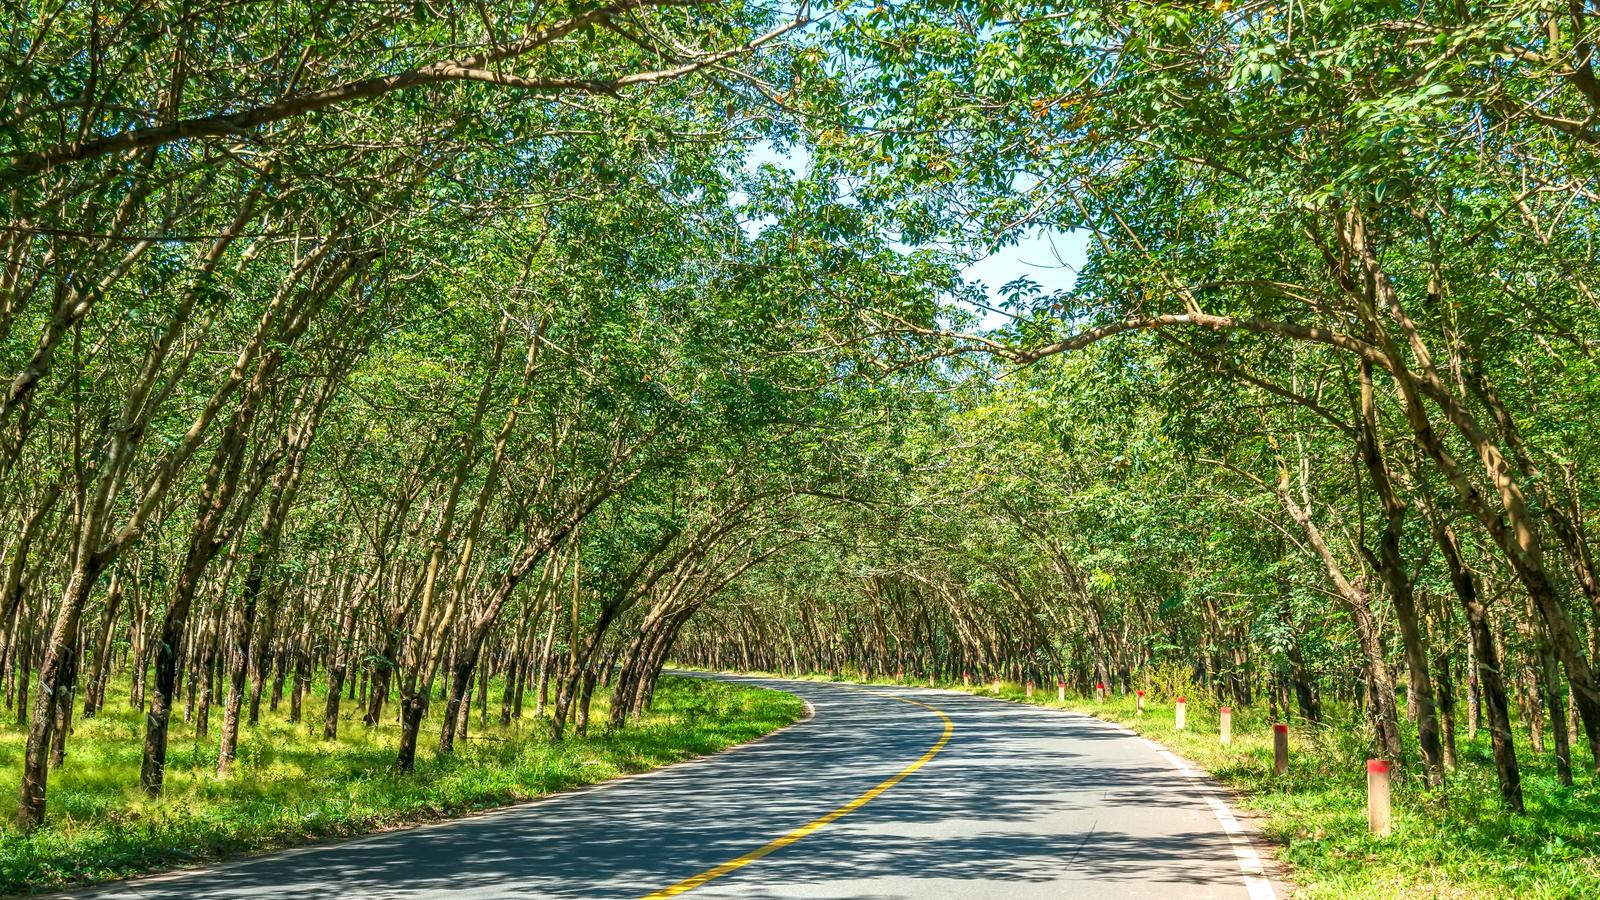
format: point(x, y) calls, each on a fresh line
point(1023, 802)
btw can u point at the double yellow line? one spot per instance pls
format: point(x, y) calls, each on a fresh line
point(694, 881)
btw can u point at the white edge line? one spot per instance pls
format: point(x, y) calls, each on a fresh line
point(1256, 883)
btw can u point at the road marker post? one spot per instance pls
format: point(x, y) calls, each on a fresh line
point(966, 679)
point(1100, 692)
point(900, 675)
point(1225, 728)
point(1030, 690)
point(930, 679)
point(1061, 692)
point(1181, 713)
point(1378, 812)
point(1141, 703)
point(1280, 748)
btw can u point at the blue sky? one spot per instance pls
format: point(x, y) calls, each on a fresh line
point(1049, 257)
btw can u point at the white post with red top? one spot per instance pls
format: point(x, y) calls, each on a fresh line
point(1378, 813)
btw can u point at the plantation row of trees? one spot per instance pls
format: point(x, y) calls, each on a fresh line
point(1154, 555)
point(389, 348)
point(1325, 425)
point(392, 348)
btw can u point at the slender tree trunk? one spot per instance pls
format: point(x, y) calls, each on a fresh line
point(1385, 717)
point(141, 657)
point(302, 666)
point(242, 630)
point(57, 673)
point(102, 645)
point(1487, 663)
point(1391, 566)
point(1550, 682)
point(339, 662)
point(208, 676)
point(24, 662)
point(63, 705)
point(1445, 679)
point(543, 697)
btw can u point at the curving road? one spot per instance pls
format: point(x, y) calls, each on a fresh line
point(947, 795)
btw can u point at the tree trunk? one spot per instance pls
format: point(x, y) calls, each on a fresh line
point(1550, 682)
point(339, 664)
point(63, 705)
point(302, 667)
point(1391, 566)
point(1491, 685)
point(93, 696)
point(1385, 717)
point(56, 675)
point(242, 629)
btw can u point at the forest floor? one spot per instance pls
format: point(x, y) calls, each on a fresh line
point(1455, 843)
point(290, 787)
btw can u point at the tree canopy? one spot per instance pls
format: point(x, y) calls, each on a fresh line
point(410, 345)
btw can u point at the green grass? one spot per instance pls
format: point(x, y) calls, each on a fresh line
point(1456, 843)
point(290, 787)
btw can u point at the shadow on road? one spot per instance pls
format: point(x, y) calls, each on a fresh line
point(1019, 797)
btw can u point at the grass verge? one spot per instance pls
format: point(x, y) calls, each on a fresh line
point(290, 787)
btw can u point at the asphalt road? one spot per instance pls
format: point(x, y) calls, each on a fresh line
point(948, 796)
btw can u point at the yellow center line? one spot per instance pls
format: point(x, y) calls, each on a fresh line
point(694, 881)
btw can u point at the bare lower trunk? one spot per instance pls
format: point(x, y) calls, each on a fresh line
point(94, 694)
point(1385, 717)
point(236, 684)
point(330, 710)
point(56, 674)
point(302, 668)
point(378, 680)
point(262, 656)
point(508, 693)
point(24, 663)
point(1549, 681)
point(456, 707)
point(1486, 660)
point(1390, 565)
point(585, 693)
point(483, 698)
point(63, 704)
point(208, 676)
point(1445, 679)
point(412, 707)
point(338, 665)
point(141, 659)
point(168, 647)
point(542, 698)
point(566, 691)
